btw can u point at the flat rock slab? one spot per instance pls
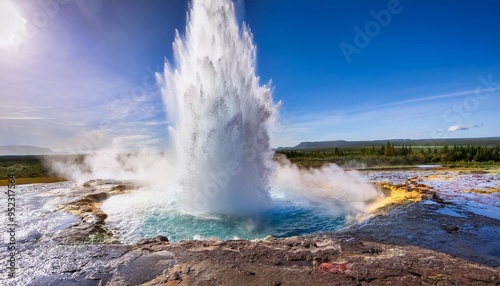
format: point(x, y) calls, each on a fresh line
point(474, 238)
point(143, 268)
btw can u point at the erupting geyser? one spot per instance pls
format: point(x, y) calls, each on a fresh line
point(220, 172)
point(219, 113)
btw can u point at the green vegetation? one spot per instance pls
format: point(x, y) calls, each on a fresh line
point(404, 155)
point(27, 169)
point(23, 166)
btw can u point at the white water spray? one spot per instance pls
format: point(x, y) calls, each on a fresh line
point(220, 114)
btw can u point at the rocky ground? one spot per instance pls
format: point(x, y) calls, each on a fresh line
point(419, 235)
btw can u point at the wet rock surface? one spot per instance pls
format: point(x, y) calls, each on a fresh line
point(292, 261)
point(425, 238)
point(474, 238)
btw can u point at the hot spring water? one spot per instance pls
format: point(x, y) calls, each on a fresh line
point(134, 217)
point(220, 180)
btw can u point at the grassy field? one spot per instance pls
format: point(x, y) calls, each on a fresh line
point(23, 181)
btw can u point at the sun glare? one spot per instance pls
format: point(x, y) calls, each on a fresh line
point(11, 22)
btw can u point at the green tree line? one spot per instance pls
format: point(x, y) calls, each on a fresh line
point(417, 154)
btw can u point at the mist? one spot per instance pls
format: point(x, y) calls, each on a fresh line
point(332, 187)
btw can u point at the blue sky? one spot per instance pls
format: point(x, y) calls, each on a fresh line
point(80, 74)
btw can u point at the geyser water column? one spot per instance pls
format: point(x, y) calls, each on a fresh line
point(219, 114)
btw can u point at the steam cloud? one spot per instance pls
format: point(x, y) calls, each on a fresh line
point(330, 186)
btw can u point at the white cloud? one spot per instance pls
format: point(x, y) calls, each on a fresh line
point(20, 117)
point(464, 127)
point(446, 95)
